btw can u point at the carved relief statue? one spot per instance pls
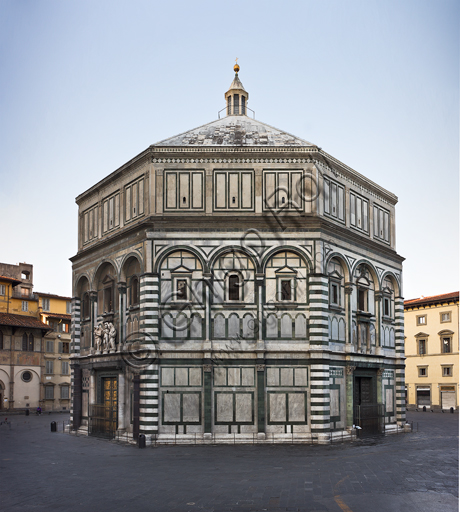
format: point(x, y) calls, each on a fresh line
point(112, 337)
point(110, 334)
point(98, 333)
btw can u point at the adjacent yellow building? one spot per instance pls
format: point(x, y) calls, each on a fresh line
point(21, 339)
point(432, 349)
point(54, 311)
point(34, 344)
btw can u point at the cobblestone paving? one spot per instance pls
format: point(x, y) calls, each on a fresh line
point(415, 472)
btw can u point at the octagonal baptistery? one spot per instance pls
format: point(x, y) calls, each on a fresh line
point(236, 283)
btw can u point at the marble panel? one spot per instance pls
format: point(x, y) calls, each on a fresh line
point(195, 327)
point(247, 376)
point(191, 407)
point(233, 376)
point(220, 376)
point(167, 376)
point(171, 407)
point(219, 327)
point(300, 376)
point(286, 326)
point(224, 407)
point(271, 324)
point(334, 395)
point(296, 406)
point(243, 407)
point(389, 406)
point(181, 376)
point(277, 407)
point(233, 326)
point(195, 376)
point(287, 377)
point(300, 326)
point(273, 376)
point(166, 329)
point(248, 327)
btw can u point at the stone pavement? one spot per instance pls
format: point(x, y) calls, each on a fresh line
point(416, 472)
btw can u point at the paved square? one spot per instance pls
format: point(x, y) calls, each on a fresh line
point(415, 472)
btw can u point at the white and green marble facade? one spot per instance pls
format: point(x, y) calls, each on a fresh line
point(312, 245)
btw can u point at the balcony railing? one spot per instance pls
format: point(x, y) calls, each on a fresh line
point(18, 295)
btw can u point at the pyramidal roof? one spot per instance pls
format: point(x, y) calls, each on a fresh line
point(236, 129)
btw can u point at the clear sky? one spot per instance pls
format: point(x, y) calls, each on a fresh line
point(87, 85)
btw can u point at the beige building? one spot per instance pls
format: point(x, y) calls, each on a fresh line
point(431, 330)
point(55, 312)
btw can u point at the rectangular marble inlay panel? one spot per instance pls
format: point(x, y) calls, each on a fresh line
point(247, 376)
point(167, 376)
point(233, 376)
point(287, 377)
point(277, 407)
point(335, 402)
point(171, 406)
point(220, 376)
point(195, 376)
point(224, 407)
point(272, 376)
point(181, 376)
point(243, 407)
point(191, 407)
point(296, 407)
point(301, 377)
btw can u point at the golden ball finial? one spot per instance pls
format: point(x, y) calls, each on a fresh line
point(236, 68)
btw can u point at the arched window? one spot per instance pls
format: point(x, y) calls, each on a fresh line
point(229, 105)
point(234, 287)
point(134, 291)
point(243, 105)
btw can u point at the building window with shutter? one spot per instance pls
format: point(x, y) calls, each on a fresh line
point(423, 371)
point(421, 320)
point(25, 305)
point(49, 367)
point(65, 368)
point(49, 392)
point(68, 307)
point(447, 371)
point(2, 289)
point(45, 304)
point(445, 317)
point(422, 347)
point(446, 345)
point(65, 392)
point(50, 346)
